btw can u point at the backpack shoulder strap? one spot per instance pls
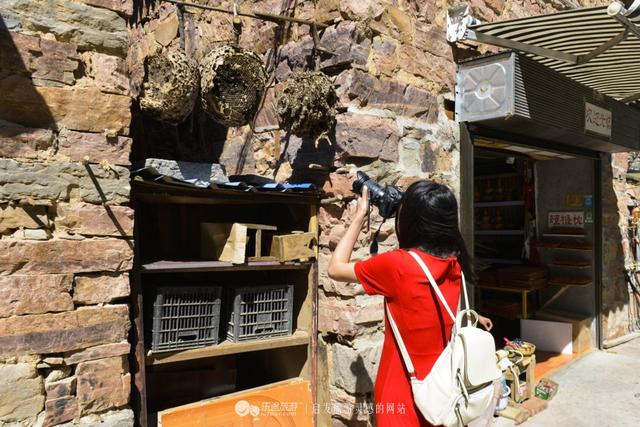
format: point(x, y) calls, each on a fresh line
point(403, 349)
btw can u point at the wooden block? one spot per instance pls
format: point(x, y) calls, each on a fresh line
point(515, 412)
point(297, 246)
point(580, 324)
point(287, 403)
point(228, 242)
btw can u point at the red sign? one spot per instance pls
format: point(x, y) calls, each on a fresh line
point(566, 219)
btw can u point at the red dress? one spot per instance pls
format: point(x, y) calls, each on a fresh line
point(424, 325)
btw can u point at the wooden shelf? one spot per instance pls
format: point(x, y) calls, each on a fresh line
point(498, 204)
point(501, 261)
point(499, 232)
point(564, 235)
point(498, 175)
point(204, 266)
point(577, 267)
point(156, 192)
point(227, 347)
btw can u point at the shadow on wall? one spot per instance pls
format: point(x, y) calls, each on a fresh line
point(615, 295)
point(21, 102)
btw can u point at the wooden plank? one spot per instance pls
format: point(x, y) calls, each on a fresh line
point(228, 241)
point(298, 246)
point(287, 403)
point(204, 266)
point(300, 337)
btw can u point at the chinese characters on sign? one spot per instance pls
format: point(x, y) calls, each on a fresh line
point(566, 219)
point(597, 120)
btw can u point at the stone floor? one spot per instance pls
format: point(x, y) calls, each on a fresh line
point(600, 389)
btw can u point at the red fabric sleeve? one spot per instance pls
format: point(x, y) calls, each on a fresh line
point(376, 274)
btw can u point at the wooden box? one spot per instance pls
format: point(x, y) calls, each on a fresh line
point(522, 379)
point(580, 327)
point(296, 246)
point(228, 241)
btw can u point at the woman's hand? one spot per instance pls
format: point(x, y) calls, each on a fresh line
point(362, 210)
point(486, 322)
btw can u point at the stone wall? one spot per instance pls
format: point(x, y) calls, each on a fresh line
point(394, 76)
point(65, 227)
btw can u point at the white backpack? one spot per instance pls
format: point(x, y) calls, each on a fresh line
point(459, 387)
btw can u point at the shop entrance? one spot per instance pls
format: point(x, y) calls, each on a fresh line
point(535, 234)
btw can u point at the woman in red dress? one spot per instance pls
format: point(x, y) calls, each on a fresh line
point(426, 223)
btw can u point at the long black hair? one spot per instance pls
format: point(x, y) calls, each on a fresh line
point(428, 220)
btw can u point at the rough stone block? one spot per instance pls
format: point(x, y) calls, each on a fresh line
point(18, 141)
point(21, 295)
point(52, 333)
point(21, 393)
point(103, 384)
point(65, 256)
point(64, 107)
point(97, 289)
point(59, 410)
point(123, 7)
point(94, 220)
point(355, 368)
point(38, 182)
point(117, 418)
point(346, 43)
point(62, 388)
point(97, 352)
point(46, 61)
point(32, 234)
point(90, 28)
point(359, 135)
point(26, 216)
point(107, 72)
point(207, 172)
point(94, 147)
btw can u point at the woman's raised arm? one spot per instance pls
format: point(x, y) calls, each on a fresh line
point(340, 267)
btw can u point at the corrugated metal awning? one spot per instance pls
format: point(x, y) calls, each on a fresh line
point(598, 47)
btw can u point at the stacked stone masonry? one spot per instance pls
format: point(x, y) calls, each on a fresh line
point(68, 74)
point(66, 231)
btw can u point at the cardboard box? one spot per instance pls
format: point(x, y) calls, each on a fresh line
point(580, 323)
point(554, 337)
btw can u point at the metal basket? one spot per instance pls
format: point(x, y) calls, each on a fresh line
point(232, 83)
point(260, 312)
point(185, 317)
point(306, 104)
point(170, 87)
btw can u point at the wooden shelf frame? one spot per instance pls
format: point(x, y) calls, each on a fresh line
point(211, 266)
point(148, 195)
point(507, 203)
point(298, 338)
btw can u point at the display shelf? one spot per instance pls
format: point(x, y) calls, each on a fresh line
point(499, 232)
point(579, 236)
point(575, 285)
point(205, 266)
point(227, 347)
point(501, 261)
point(559, 264)
point(498, 175)
point(499, 204)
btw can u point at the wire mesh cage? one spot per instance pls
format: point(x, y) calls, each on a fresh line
point(306, 104)
point(185, 317)
point(232, 83)
point(260, 312)
point(170, 87)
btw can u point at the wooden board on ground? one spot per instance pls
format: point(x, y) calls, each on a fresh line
point(286, 403)
point(228, 241)
point(297, 246)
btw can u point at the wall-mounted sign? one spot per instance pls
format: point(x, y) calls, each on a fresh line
point(574, 219)
point(588, 201)
point(597, 120)
point(588, 216)
point(573, 201)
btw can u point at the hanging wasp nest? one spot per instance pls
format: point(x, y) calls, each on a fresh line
point(170, 86)
point(232, 81)
point(306, 104)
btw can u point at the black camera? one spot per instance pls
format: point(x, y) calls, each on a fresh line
point(386, 198)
